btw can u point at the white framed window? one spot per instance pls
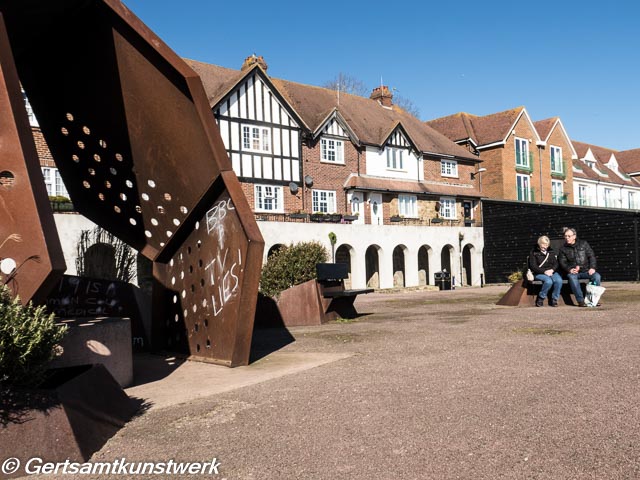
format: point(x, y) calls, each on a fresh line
point(256, 139)
point(608, 197)
point(557, 191)
point(633, 200)
point(448, 208)
point(323, 201)
point(53, 182)
point(331, 150)
point(408, 205)
point(556, 160)
point(583, 195)
point(395, 158)
point(356, 204)
point(448, 168)
point(268, 198)
point(522, 153)
point(522, 185)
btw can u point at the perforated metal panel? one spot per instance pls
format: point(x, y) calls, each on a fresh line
point(131, 130)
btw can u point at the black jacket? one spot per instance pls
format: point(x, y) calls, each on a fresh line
point(580, 253)
point(536, 257)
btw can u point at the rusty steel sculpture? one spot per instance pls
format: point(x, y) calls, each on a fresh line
point(133, 136)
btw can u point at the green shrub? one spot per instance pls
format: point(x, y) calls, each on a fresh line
point(28, 338)
point(291, 266)
point(515, 276)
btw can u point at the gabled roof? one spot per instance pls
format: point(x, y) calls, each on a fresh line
point(546, 127)
point(602, 156)
point(367, 119)
point(629, 160)
point(482, 131)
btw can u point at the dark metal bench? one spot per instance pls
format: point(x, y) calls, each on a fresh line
point(330, 280)
point(533, 288)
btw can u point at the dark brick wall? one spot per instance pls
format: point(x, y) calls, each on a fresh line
point(512, 228)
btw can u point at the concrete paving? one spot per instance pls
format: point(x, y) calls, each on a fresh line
point(424, 385)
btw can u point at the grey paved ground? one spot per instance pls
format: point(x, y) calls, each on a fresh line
point(433, 385)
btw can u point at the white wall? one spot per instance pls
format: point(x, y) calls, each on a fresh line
point(376, 161)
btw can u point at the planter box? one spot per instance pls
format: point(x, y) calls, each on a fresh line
point(395, 218)
point(71, 417)
point(303, 216)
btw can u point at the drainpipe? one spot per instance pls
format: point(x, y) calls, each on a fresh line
point(540, 163)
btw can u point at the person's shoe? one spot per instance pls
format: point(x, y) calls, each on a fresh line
point(539, 302)
point(582, 304)
point(554, 302)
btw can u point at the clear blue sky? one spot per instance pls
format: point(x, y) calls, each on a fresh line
point(578, 60)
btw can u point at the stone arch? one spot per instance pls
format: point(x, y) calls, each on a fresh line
point(467, 254)
point(446, 255)
point(274, 248)
point(372, 262)
point(424, 253)
point(399, 272)
point(345, 254)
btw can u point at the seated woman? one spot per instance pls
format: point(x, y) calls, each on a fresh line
point(544, 265)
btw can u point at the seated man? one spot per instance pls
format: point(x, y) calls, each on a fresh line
point(577, 259)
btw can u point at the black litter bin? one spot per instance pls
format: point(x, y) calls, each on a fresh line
point(443, 280)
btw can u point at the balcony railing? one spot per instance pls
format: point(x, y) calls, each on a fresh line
point(347, 219)
point(524, 163)
point(559, 198)
point(526, 194)
point(560, 172)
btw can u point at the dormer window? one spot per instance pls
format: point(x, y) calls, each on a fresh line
point(331, 150)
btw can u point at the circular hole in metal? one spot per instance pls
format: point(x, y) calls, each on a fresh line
point(119, 157)
point(175, 299)
point(197, 347)
point(167, 197)
point(181, 275)
point(85, 184)
point(161, 244)
point(129, 183)
point(184, 210)
point(193, 289)
point(75, 158)
point(199, 243)
point(208, 343)
point(91, 171)
point(145, 197)
point(86, 130)
point(102, 143)
point(184, 294)
point(7, 179)
point(160, 210)
point(81, 144)
point(173, 282)
point(132, 221)
point(204, 305)
point(64, 131)
point(147, 233)
point(97, 158)
point(185, 313)
point(154, 222)
point(188, 250)
point(202, 282)
point(70, 117)
point(113, 171)
point(176, 317)
point(107, 184)
point(176, 222)
point(169, 233)
point(101, 196)
point(171, 262)
point(195, 327)
point(123, 197)
point(151, 183)
point(206, 321)
point(197, 225)
point(194, 308)
point(116, 209)
point(200, 263)
point(138, 209)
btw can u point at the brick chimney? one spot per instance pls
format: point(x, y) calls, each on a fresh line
point(383, 95)
point(251, 60)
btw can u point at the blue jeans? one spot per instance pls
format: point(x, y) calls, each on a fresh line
point(575, 284)
point(554, 281)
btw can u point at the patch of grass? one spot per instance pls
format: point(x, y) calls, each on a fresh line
point(542, 331)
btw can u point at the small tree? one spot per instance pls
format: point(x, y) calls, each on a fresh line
point(291, 266)
point(28, 340)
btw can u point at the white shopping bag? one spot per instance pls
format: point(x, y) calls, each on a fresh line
point(594, 292)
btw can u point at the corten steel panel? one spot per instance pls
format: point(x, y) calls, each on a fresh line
point(27, 230)
point(131, 130)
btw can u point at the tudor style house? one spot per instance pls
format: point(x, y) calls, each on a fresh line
point(402, 198)
point(524, 160)
point(600, 182)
